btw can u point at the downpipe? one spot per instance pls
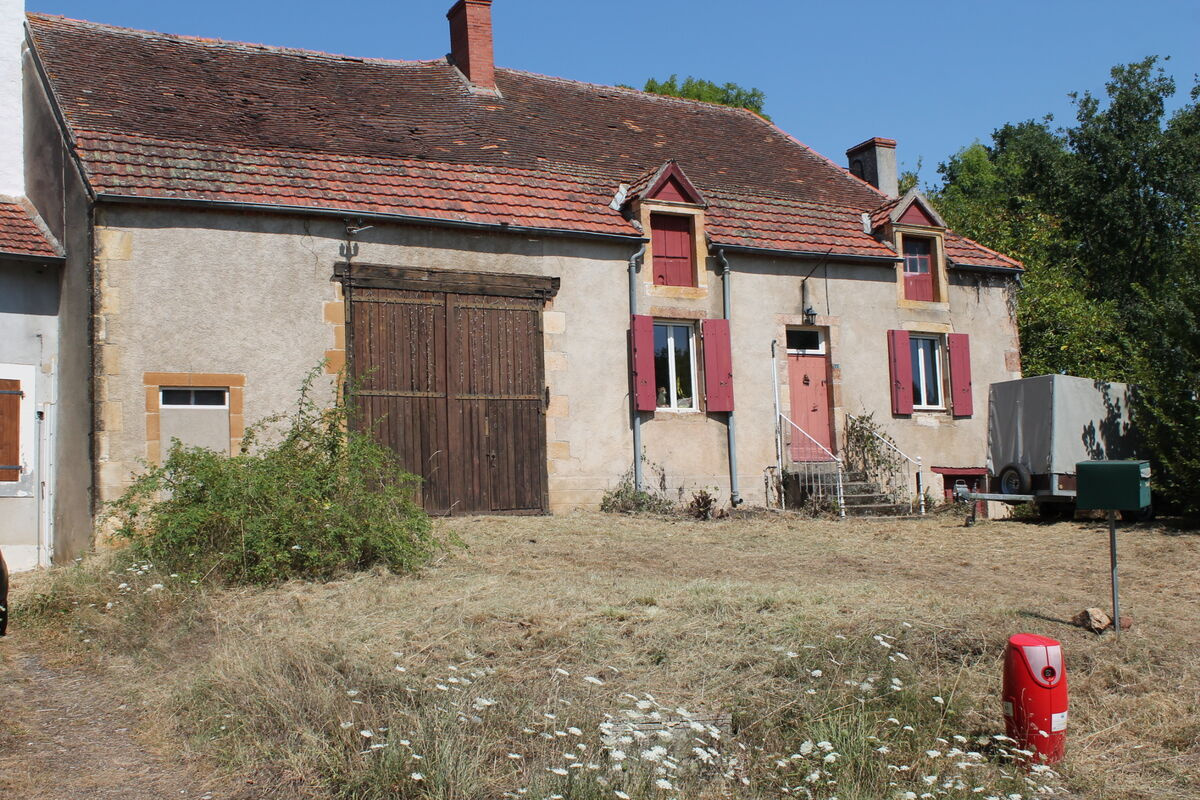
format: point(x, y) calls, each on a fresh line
point(635, 261)
point(735, 498)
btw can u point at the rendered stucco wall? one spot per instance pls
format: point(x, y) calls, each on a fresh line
point(28, 353)
point(54, 186)
point(215, 292)
point(12, 37)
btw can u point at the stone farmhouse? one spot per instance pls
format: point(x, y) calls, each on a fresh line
point(540, 283)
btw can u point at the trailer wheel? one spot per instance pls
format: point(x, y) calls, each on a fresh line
point(1015, 479)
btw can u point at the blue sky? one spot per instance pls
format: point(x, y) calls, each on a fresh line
point(933, 74)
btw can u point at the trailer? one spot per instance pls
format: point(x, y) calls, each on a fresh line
point(1040, 428)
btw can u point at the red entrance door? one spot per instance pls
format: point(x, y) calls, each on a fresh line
point(808, 385)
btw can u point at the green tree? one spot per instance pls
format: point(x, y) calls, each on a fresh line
point(1105, 214)
point(729, 94)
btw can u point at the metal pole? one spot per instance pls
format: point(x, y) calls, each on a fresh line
point(1112, 560)
point(778, 427)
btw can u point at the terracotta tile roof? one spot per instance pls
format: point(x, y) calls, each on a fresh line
point(967, 253)
point(20, 233)
point(142, 167)
point(176, 117)
point(785, 224)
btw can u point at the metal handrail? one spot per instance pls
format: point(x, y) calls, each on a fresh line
point(824, 449)
point(841, 498)
point(914, 461)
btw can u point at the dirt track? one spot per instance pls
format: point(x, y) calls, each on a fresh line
point(67, 735)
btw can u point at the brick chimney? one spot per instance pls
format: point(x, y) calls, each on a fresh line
point(12, 148)
point(875, 162)
point(471, 41)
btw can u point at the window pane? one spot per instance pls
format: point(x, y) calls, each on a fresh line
point(917, 372)
point(662, 366)
point(803, 340)
point(917, 254)
point(176, 397)
point(209, 397)
point(927, 385)
point(683, 366)
point(933, 386)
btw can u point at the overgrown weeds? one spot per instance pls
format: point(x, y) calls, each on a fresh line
point(317, 499)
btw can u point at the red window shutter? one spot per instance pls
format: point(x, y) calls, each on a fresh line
point(718, 365)
point(900, 369)
point(959, 345)
point(10, 429)
point(671, 244)
point(641, 338)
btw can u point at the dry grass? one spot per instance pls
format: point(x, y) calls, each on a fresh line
point(722, 616)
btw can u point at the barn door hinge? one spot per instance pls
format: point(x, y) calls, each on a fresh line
point(12, 391)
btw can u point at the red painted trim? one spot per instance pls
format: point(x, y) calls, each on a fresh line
point(900, 369)
point(671, 244)
point(671, 172)
point(959, 472)
point(915, 215)
point(718, 365)
point(642, 361)
point(959, 345)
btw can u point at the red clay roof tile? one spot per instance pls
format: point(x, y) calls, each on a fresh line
point(21, 235)
point(174, 117)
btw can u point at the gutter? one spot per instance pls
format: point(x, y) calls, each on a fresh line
point(735, 499)
point(342, 213)
point(31, 258)
point(985, 268)
point(635, 261)
point(880, 261)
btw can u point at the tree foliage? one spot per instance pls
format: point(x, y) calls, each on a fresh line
point(730, 94)
point(1105, 215)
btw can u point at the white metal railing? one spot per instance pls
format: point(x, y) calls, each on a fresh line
point(898, 484)
point(814, 479)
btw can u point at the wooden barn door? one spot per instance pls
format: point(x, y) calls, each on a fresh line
point(450, 375)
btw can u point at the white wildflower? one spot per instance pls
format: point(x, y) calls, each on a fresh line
point(417, 776)
point(816, 673)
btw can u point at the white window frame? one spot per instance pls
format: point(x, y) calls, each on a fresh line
point(673, 383)
point(162, 403)
point(918, 362)
point(820, 349)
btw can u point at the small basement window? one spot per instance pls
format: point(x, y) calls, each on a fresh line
point(675, 366)
point(182, 398)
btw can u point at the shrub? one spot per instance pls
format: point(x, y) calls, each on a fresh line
point(322, 499)
point(626, 498)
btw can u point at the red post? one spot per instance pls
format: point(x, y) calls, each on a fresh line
point(1035, 695)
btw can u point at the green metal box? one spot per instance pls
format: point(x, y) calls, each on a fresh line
point(1116, 485)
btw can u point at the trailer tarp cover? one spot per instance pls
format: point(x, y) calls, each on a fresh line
point(1051, 422)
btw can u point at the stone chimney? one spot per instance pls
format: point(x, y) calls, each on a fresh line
point(12, 148)
point(471, 41)
point(875, 162)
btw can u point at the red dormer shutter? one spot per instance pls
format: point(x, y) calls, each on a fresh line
point(718, 365)
point(900, 369)
point(671, 244)
point(641, 340)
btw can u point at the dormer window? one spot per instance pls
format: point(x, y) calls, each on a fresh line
point(919, 234)
point(671, 214)
point(673, 248)
point(918, 268)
